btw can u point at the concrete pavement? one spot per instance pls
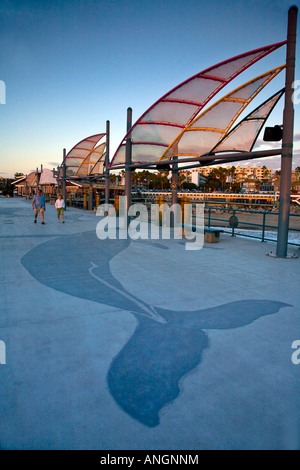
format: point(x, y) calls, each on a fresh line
point(120, 344)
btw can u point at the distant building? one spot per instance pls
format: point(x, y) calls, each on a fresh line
point(2, 184)
point(250, 185)
point(295, 187)
point(26, 186)
point(240, 173)
point(267, 188)
point(197, 178)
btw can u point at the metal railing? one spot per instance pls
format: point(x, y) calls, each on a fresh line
point(253, 222)
point(249, 222)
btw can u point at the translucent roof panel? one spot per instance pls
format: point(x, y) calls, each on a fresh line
point(158, 133)
point(88, 164)
point(243, 136)
point(196, 91)
point(213, 124)
point(147, 152)
point(98, 169)
point(166, 112)
point(229, 68)
point(196, 143)
point(78, 153)
point(218, 117)
point(181, 105)
point(119, 158)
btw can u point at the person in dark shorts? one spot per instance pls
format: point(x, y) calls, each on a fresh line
point(39, 206)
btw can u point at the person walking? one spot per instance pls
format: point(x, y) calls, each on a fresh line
point(39, 206)
point(60, 206)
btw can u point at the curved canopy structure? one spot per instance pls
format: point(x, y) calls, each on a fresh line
point(93, 162)
point(159, 126)
point(206, 131)
point(77, 155)
point(243, 136)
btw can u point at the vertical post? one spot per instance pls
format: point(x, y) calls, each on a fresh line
point(37, 180)
point(107, 163)
point(91, 196)
point(85, 203)
point(58, 188)
point(43, 187)
point(264, 227)
point(287, 139)
point(128, 160)
point(117, 204)
point(64, 179)
point(175, 181)
point(174, 188)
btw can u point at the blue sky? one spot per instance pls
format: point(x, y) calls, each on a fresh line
point(70, 66)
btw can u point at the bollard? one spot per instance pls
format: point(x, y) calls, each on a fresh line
point(117, 205)
point(85, 201)
point(182, 201)
point(160, 201)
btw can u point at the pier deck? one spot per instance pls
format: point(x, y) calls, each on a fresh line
point(121, 344)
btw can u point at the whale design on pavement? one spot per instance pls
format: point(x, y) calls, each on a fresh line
point(167, 345)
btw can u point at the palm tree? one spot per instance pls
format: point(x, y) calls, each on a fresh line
point(181, 179)
point(220, 174)
point(223, 177)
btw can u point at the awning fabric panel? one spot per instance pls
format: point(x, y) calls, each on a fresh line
point(149, 153)
point(181, 105)
point(159, 133)
point(166, 112)
point(78, 153)
point(243, 136)
point(88, 164)
point(213, 124)
point(98, 169)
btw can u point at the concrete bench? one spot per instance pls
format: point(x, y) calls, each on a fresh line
point(211, 234)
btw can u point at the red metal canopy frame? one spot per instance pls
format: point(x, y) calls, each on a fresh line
point(230, 68)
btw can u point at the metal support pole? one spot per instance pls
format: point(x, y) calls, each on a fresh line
point(174, 189)
point(91, 194)
point(64, 179)
point(107, 163)
point(174, 183)
point(58, 188)
point(37, 180)
point(128, 160)
point(287, 140)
